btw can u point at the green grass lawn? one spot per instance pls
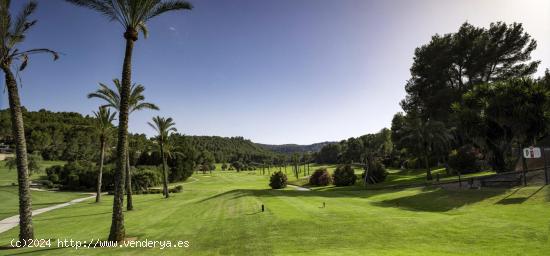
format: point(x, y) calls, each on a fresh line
point(9, 194)
point(9, 176)
point(395, 177)
point(219, 214)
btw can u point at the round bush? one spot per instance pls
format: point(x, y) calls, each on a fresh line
point(344, 176)
point(320, 177)
point(278, 180)
point(464, 160)
point(377, 173)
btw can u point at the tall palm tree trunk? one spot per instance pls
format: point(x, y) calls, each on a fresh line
point(117, 232)
point(100, 174)
point(25, 209)
point(428, 169)
point(129, 201)
point(164, 175)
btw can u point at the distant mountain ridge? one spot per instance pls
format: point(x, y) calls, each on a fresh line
point(295, 148)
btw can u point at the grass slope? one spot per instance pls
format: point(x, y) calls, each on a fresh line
point(9, 200)
point(219, 215)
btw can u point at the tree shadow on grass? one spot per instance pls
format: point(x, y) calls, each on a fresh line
point(262, 193)
point(427, 199)
point(517, 200)
point(440, 200)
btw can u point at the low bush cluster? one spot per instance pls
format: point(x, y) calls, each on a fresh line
point(278, 180)
point(320, 177)
point(78, 175)
point(176, 189)
point(464, 160)
point(344, 175)
point(377, 173)
point(145, 177)
point(82, 176)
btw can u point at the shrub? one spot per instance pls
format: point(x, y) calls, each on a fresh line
point(75, 175)
point(237, 165)
point(344, 176)
point(82, 175)
point(47, 183)
point(33, 162)
point(320, 177)
point(464, 160)
point(153, 191)
point(377, 173)
point(224, 166)
point(180, 169)
point(143, 178)
point(413, 163)
point(176, 189)
point(278, 180)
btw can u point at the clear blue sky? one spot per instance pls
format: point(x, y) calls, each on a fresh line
point(286, 71)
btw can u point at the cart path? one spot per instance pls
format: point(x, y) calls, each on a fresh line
point(299, 188)
point(11, 222)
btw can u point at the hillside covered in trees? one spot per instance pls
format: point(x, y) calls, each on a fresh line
point(70, 136)
point(295, 148)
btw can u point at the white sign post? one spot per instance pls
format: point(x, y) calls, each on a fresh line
point(532, 152)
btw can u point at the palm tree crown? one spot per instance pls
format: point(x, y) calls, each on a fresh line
point(12, 33)
point(133, 14)
point(164, 126)
point(426, 135)
point(103, 120)
point(112, 97)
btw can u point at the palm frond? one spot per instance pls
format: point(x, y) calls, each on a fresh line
point(146, 105)
point(35, 51)
point(132, 14)
point(105, 7)
point(143, 29)
point(21, 24)
point(112, 97)
point(107, 94)
point(164, 126)
point(174, 5)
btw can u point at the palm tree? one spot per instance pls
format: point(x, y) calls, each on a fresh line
point(132, 15)
point(136, 102)
point(103, 126)
point(12, 34)
point(164, 126)
point(425, 137)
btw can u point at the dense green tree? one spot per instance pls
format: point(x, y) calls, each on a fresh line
point(230, 149)
point(39, 141)
point(425, 138)
point(55, 136)
point(13, 31)
point(376, 147)
point(451, 64)
point(397, 124)
point(329, 154)
point(33, 165)
point(353, 149)
point(501, 114)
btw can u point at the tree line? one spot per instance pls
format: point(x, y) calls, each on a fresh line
point(471, 100)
